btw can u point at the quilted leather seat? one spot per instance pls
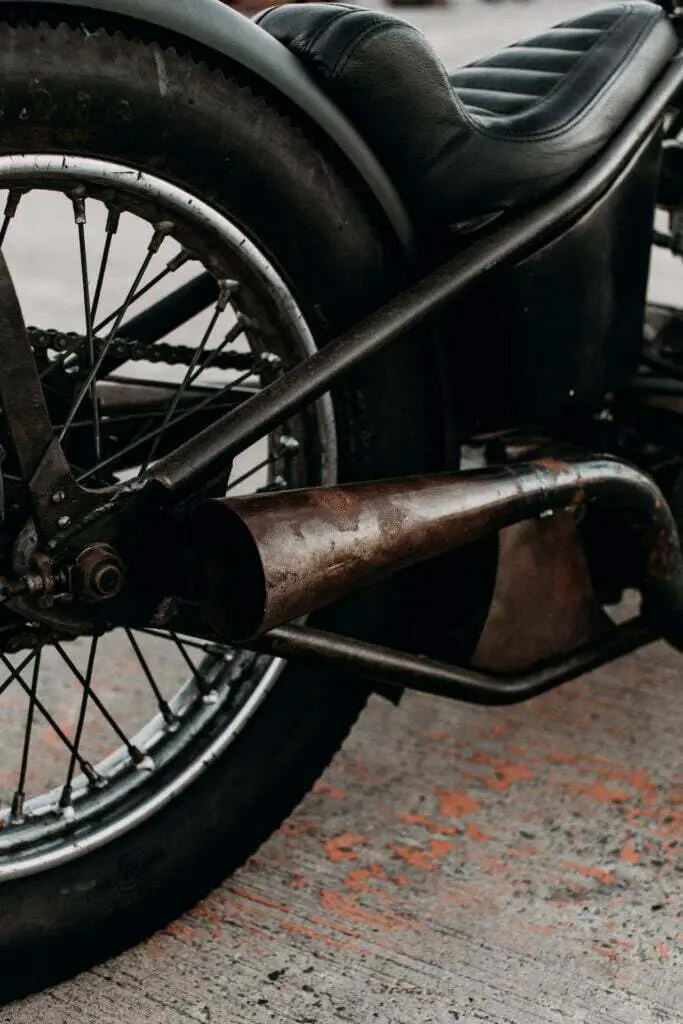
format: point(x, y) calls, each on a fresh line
point(501, 132)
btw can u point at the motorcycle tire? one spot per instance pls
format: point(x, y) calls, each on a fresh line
point(91, 86)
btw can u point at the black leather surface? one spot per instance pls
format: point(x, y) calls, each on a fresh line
point(498, 133)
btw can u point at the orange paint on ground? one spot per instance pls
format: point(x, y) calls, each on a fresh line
point(263, 901)
point(522, 852)
point(416, 858)
point(630, 854)
point(311, 933)
point(296, 828)
point(560, 758)
point(341, 847)
point(357, 879)
point(497, 731)
point(506, 775)
point(435, 735)
point(181, 931)
point(604, 877)
point(598, 791)
point(610, 954)
point(348, 908)
point(476, 834)
point(431, 826)
point(324, 789)
point(456, 804)
point(439, 847)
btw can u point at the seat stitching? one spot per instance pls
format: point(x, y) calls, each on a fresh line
point(572, 73)
point(549, 133)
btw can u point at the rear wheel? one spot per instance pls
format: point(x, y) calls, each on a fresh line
point(137, 770)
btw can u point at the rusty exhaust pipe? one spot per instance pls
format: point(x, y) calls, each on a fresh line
point(264, 560)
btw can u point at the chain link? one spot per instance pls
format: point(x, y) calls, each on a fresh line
point(51, 341)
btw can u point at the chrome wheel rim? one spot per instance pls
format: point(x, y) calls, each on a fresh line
point(225, 688)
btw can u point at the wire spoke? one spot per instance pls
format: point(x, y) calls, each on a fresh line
point(207, 648)
point(79, 214)
point(15, 673)
point(135, 755)
point(221, 305)
point(218, 394)
point(159, 235)
point(232, 335)
point(203, 685)
point(288, 447)
point(113, 221)
point(11, 206)
point(164, 707)
point(20, 792)
point(65, 801)
point(175, 264)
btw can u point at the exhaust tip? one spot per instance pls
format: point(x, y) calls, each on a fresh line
point(229, 582)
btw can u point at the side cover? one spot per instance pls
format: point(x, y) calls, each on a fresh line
point(215, 25)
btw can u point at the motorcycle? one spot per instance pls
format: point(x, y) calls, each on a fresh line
point(382, 405)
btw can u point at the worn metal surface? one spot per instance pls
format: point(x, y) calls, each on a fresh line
point(393, 668)
point(456, 865)
point(301, 550)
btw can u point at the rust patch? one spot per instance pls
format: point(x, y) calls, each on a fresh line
point(341, 847)
point(455, 804)
point(338, 507)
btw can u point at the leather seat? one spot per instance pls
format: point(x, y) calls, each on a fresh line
point(501, 132)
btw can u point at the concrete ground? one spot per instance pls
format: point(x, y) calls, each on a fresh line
point(516, 866)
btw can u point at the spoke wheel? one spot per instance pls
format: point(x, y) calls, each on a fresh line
point(222, 747)
point(107, 728)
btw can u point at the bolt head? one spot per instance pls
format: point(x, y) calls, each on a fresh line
point(63, 522)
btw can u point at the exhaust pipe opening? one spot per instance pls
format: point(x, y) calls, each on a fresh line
point(228, 578)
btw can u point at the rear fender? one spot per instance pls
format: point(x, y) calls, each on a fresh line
point(216, 26)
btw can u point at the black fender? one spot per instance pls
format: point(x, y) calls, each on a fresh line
point(216, 26)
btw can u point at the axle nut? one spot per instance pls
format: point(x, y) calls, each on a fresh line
point(99, 573)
